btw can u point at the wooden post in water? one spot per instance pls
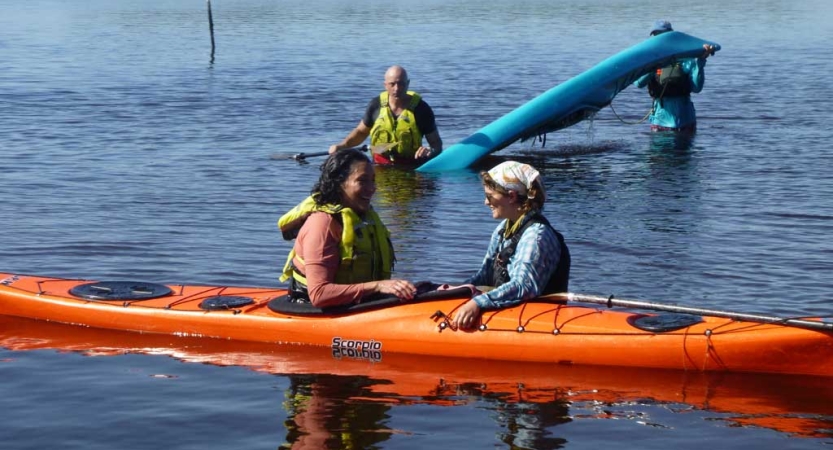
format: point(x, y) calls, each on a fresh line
point(211, 29)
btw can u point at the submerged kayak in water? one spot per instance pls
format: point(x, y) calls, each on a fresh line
point(550, 330)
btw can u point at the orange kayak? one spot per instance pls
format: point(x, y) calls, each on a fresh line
point(553, 330)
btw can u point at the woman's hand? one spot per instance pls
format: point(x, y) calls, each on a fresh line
point(403, 289)
point(467, 316)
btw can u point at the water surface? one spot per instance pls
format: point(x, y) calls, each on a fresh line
point(127, 153)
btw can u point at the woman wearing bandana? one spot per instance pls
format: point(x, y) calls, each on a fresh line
point(526, 256)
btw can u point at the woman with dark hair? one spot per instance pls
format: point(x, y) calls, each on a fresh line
point(526, 256)
point(342, 251)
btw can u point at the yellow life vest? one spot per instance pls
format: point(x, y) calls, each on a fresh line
point(402, 131)
point(365, 250)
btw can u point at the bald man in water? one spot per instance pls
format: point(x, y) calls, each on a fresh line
point(396, 121)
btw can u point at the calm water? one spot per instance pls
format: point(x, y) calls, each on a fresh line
point(127, 153)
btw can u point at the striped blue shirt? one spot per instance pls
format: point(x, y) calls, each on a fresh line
point(530, 268)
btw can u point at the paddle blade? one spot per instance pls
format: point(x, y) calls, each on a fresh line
point(381, 148)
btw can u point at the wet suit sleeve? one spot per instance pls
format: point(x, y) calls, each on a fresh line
point(372, 112)
point(425, 119)
point(695, 69)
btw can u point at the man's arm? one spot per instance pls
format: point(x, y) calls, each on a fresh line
point(434, 141)
point(426, 121)
point(356, 137)
point(435, 146)
point(362, 130)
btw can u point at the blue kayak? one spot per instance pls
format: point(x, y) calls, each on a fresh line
point(570, 102)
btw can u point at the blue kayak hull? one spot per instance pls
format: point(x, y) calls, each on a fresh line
point(570, 102)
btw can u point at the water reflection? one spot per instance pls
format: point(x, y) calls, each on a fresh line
point(335, 403)
point(337, 412)
point(555, 157)
point(398, 189)
point(406, 202)
point(671, 183)
point(525, 423)
point(669, 152)
point(671, 141)
point(321, 414)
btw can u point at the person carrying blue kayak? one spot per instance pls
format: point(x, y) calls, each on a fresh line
point(671, 87)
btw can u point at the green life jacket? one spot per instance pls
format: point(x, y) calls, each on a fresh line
point(669, 81)
point(402, 130)
point(365, 250)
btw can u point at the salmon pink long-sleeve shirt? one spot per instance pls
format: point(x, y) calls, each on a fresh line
point(317, 245)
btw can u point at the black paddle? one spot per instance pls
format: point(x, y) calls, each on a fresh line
point(637, 304)
point(301, 157)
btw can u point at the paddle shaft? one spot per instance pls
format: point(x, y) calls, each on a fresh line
point(303, 156)
point(638, 304)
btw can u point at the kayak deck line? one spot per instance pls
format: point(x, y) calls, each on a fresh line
point(549, 330)
point(610, 302)
point(305, 309)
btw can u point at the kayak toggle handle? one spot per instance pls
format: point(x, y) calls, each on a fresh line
point(445, 320)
